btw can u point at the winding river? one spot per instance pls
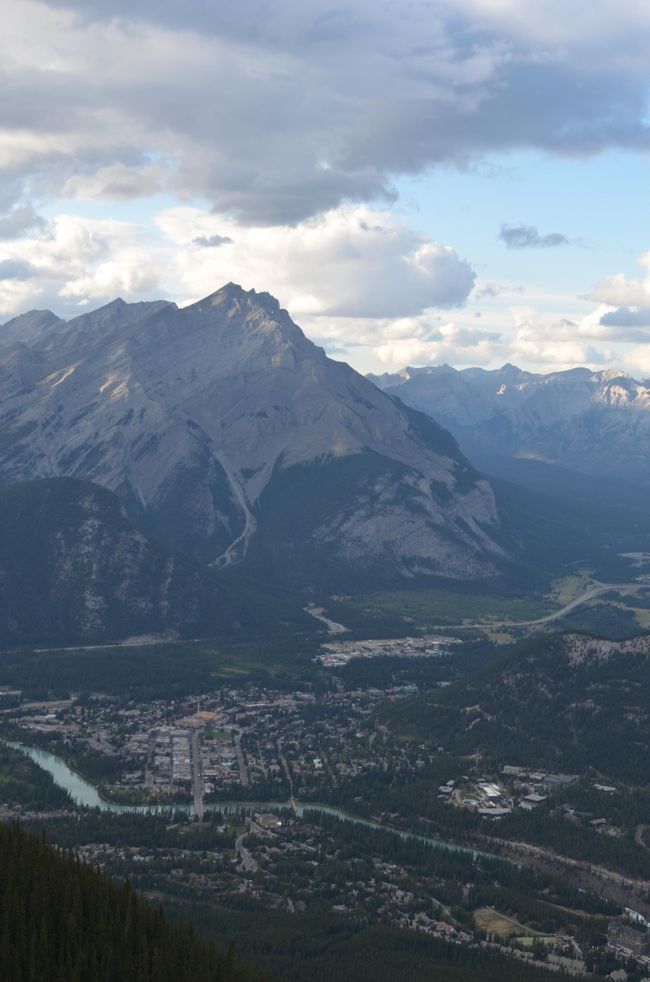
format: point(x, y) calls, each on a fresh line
point(86, 795)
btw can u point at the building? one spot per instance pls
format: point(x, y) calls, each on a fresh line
point(630, 939)
point(553, 782)
point(531, 801)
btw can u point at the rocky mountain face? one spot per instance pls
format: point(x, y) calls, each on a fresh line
point(229, 436)
point(593, 422)
point(74, 570)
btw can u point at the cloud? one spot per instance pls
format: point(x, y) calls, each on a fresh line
point(77, 260)
point(350, 262)
point(527, 237)
point(620, 290)
point(212, 241)
point(488, 291)
point(627, 317)
point(116, 182)
point(276, 113)
point(16, 269)
point(21, 219)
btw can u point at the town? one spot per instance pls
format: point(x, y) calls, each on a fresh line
point(300, 798)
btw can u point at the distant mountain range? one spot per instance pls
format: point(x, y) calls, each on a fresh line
point(594, 423)
point(230, 437)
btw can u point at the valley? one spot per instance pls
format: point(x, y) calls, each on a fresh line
point(336, 768)
point(275, 649)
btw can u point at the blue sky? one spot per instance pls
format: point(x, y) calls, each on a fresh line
point(417, 181)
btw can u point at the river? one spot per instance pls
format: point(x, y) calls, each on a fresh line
point(86, 795)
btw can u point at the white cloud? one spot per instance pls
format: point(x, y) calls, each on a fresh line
point(77, 260)
point(620, 290)
point(350, 262)
point(279, 114)
point(116, 182)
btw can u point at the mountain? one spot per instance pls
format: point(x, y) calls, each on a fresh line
point(595, 423)
point(229, 436)
point(74, 570)
point(565, 702)
point(29, 328)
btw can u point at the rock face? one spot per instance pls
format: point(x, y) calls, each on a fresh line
point(228, 435)
point(593, 422)
point(74, 570)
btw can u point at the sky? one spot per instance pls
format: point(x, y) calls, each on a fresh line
point(417, 182)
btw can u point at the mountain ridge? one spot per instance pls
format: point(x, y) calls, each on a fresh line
point(191, 415)
point(591, 422)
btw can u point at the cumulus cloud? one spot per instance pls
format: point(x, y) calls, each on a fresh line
point(450, 342)
point(77, 260)
point(275, 115)
point(620, 290)
point(527, 237)
point(349, 262)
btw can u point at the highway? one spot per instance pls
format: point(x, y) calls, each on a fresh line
point(594, 591)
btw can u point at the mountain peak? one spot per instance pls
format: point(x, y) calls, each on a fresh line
point(220, 424)
point(233, 292)
point(30, 327)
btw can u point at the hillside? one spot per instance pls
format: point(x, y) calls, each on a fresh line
point(62, 920)
point(566, 703)
point(73, 569)
point(229, 436)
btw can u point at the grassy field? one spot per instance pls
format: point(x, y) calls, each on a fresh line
point(492, 922)
point(429, 608)
point(568, 588)
point(160, 671)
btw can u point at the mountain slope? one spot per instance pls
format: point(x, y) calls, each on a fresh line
point(63, 920)
point(74, 570)
point(592, 422)
point(566, 702)
point(216, 423)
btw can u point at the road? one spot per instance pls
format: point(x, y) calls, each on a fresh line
point(594, 591)
point(247, 860)
point(639, 835)
point(335, 628)
point(243, 773)
point(332, 626)
point(197, 774)
point(285, 767)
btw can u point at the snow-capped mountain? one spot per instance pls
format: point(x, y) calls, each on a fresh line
point(228, 435)
point(593, 422)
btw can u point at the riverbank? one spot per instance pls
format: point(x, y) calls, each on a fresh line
point(85, 795)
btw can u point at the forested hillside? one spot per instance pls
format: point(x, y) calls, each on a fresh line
point(60, 921)
point(570, 702)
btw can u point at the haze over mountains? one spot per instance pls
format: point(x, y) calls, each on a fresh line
point(596, 423)
point(230, 437)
